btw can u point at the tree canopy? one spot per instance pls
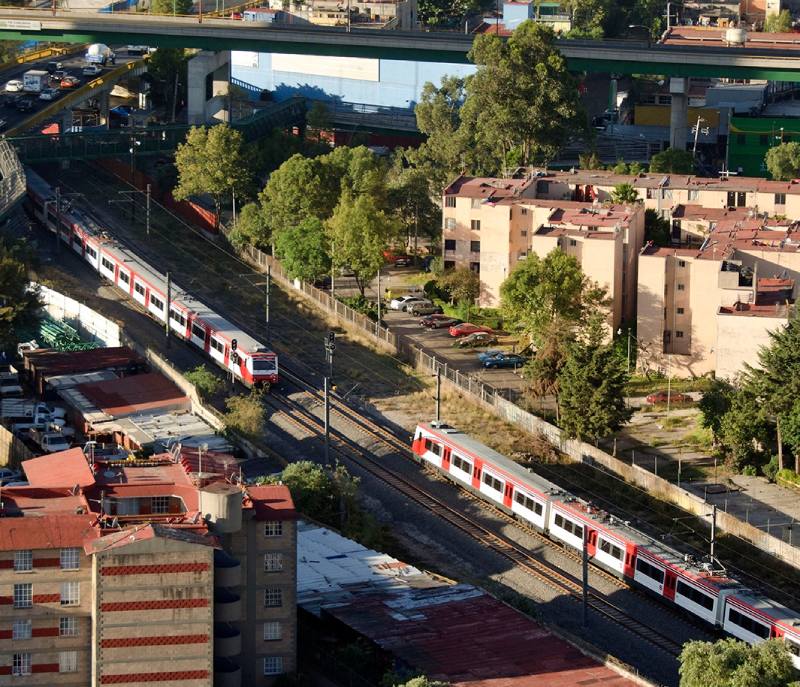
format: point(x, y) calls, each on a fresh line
point(211, 161)
point(463, 285)
point(251, 228)
point(304, 250)
point(732, 663)
point(624, 193)
point(783, 161)
point(19, 304)
point(167, 67)
point(672, 161)
point(176, 7)
point(779, 23)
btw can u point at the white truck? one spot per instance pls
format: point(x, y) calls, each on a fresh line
point(48, 441)
point(35, 80)
point(99, 53)
point(17, 409)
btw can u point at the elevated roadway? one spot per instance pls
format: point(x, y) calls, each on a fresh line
point(227, 34)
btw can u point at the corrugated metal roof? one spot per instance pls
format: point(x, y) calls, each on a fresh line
point(135, 394)
point(59, 382)
point(163, 430)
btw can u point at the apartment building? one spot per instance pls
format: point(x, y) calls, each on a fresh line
point(140, 571)
point(489, 225)
point(710, 308)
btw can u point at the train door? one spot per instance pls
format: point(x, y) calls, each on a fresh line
point(670, 580)
point(476, 476)
point(508, 494)
point(446, 459)
point(591, 541)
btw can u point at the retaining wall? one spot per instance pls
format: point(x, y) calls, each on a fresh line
point(89, 323)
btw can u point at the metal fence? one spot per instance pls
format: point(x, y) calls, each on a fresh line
point(12, 178)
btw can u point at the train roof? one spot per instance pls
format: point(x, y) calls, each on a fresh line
point(772, 609)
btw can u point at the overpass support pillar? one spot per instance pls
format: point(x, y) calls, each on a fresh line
point(66, 120)
point(679, 112)
point(102, 107)
point(208, 76)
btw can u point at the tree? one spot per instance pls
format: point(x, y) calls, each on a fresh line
point(590, 160)
point(312, 490)
point(732, 663)
point(178, 7)
point(319, 118)
point(19, 303)
point(716, 402)
point(672, 161)
point(656, 228)
point(545, 367)
point(211, 161)
point(779, 23)
point(744, 428)
point(357, 170)
point(251, 228)
point(167, 67)
point(783, 161)
point(246, 414)
point(410, 199)
point(624, 193)
point(522, 100)
point(463, 284)
point(305, 250)
point(592, 389)
point(204, 380)
point(359, 233)
point(541, 290)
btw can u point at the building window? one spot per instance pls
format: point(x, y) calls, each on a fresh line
point(23, 561)
point(475, 246)
point(524, 211)
point(159, 504)
point(449, 201)
point(523, 232)
point(667, 336)
point(273, 665)
point(681, 287)
point(573, 242)
point(694, 194)
point(273, 528)
point(70, 593)
point(68, 662)
point(21, 664)
point(476, 203)
point(273, 562)
point(68, 627)
point(449, 223)
point(681, 263)
point(678, 334)
point(273, 631)
point(449, 244)
point(679, 311)
point(23, 595)
point(70, 559)
point(475, 267)
point(449, 264)
point(273, 597)
point(780, 199)
point(21, 629)
point(475, 225)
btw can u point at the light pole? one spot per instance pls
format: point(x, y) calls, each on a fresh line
point(630, 336)
point(644, 28)
point(132, 150)
point(696, 129)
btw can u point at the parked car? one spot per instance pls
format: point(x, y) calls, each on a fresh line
point(92, 70)
point(439, 321)
point(69, 82)
point(403, 302)
point(505, 360)
point(404, 261)
point(475, 340)
point(424, 309)
point(24, 105)
point(491, 353)
point(467, 328)
point(49, 94)
point(660, 397)
point(13, 86)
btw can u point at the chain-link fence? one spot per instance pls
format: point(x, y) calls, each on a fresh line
point(12, 178)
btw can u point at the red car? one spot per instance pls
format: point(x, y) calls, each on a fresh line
point(466, 328)
point(660, 397)
point(69, 82)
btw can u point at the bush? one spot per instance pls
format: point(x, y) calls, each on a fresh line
point(204, 380)
point(246, 414)
point(770, 469)
point(750, 470)
point(361, 304)
point(787, 475)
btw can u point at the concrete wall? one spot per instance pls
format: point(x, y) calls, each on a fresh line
point(12, 450)
point(88, 322)
point(738, 336)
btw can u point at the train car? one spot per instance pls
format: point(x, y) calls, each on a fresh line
point(189, 319)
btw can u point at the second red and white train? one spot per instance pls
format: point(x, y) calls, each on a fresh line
point(610, 542)
point(189, 319)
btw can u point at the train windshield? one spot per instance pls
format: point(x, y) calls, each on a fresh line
point(264, 365)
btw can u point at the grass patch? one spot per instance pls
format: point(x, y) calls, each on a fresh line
point(641, 386)
point(674, 421)
point(700, 438)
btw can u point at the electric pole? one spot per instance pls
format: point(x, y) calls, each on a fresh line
point(585, 566)
point(379, 296)
point(330, 347)
point(266, 302)
point(147, 196)
point(438, 395)
point(327, 422)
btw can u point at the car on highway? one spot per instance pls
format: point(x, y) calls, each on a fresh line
point(57, 75)
point(54, 66)
point(501, 359)
point(24, 105)
point(92, 70)
point(439, 321)
point(424, 309)
point(69, 82)
point(465, 328)
point(476, 340)
point(13, 86)
point(660, 397)
point(49, 94)
point(403, 302)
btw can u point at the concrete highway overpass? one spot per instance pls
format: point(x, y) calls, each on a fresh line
point(226, 34)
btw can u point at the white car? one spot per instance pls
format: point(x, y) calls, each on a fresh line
point(13, 86)
point(403, 302)
point(49, 94)
point(92, 70)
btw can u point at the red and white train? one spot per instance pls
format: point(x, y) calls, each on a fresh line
point(611, 543)
point(189, 319)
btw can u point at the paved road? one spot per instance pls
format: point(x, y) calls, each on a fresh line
point(73, 64)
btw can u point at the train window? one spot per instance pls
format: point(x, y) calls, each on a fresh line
point(611, 549)
point(91, 251)
point(199, 332)
point(568, 526)
point(696, 596)
point(492, 481)
point(217, 346)
point(461, 464)
point(107, 264)
point(748, 624)
point(650, 570)
point(263, 365)
point(124, 278)
point(527, 502)
point(157, 302)
point(177, 316)
point(138, 288)
point(433, 447)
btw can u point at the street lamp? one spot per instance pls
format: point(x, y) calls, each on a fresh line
point(696, 129)
point(644, 28)
point(132, 151)
point(630, 336)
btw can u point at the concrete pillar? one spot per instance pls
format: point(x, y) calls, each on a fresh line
point(206, 95)
point(679, 112)
point(102, 107)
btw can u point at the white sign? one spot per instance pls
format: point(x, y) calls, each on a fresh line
point(20, 25)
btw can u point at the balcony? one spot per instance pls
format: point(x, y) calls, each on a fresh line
point(227, 641)
point(227, 673)
point(227, 605)
point(227, 570)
